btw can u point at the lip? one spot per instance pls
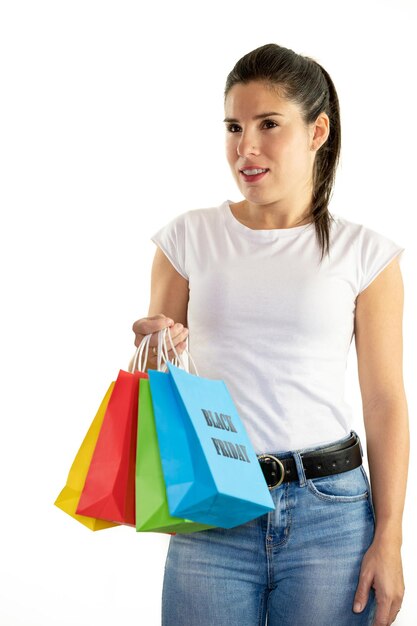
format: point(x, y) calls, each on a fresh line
point(256, 177)
point(252, 166)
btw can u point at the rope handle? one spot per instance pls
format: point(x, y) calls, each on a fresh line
point(137, 359)
point(164, 330)
point(162, 354)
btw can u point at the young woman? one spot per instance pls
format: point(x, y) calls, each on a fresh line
point(269, 292)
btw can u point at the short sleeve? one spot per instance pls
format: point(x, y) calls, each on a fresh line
point(171, 239)
point(376, 252)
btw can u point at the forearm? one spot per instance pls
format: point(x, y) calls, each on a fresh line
point(387, 435)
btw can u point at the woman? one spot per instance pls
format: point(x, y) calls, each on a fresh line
point(272, 290)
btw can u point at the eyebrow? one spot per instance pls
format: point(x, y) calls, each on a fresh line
point(256, 117)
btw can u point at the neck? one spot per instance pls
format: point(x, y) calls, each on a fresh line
point(270, 216)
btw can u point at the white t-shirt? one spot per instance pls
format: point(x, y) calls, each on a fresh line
point(271, 321)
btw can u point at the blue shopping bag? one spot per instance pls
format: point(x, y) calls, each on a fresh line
point(211, 472)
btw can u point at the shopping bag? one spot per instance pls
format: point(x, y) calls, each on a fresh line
point(70, 494)
point(211, 471)
point(109, 489)
point(152, 513)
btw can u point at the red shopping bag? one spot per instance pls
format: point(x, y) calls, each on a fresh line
point(109, 489)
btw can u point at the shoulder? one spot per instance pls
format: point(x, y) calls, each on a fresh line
point(192, 225)
point(356, 231)
point(366, 250)
point(344, 226)
point(185, 233)
point(199, 216)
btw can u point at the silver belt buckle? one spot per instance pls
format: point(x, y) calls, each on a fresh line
point(280, 465)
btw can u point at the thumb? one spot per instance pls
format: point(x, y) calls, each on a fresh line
point(152, 324)
point(362, 593)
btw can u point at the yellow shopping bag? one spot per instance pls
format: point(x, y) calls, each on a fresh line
point(70, 495)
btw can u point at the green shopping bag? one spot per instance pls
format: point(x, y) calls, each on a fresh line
point(152, 513)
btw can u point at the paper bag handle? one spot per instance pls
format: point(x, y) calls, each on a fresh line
point(178, 357)
point(162, 354)
point(137, 359)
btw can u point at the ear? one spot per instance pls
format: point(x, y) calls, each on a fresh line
point(320, 131)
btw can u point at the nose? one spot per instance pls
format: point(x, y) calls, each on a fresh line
point(247, 145)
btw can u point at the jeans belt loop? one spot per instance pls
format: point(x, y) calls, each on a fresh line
point(300, 469)
point(360, 442)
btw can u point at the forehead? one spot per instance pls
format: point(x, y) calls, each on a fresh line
point(247, 100)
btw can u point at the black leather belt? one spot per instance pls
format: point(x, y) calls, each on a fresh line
point(325, 461)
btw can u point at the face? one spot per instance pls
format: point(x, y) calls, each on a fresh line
point(269, 149)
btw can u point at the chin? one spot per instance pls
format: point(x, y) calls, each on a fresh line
point(256, 196)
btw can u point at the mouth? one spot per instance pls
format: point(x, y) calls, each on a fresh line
point(253, 174)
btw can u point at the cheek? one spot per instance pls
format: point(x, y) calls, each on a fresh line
point(231, 152)
point(291, 152)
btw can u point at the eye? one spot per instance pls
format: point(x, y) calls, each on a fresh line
point(233, 128)
point(270, 123)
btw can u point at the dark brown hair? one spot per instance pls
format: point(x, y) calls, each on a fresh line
point(303, 81)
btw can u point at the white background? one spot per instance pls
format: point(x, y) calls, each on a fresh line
point(111, 124)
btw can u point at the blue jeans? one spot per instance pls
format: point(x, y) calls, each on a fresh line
point(296, 566)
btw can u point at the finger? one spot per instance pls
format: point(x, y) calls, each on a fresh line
point(175, 330)
point(179, 342)
point(362, 593)
point(382, 612)
point(149, 326)
point(178, 333)
point(180, 348)
point(395, 609)
point(153, 324)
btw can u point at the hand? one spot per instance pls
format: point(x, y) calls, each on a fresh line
point(381, 569)
point(152, 325)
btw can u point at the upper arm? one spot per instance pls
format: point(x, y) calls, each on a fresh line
point(169, 290)
point(378, 337)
